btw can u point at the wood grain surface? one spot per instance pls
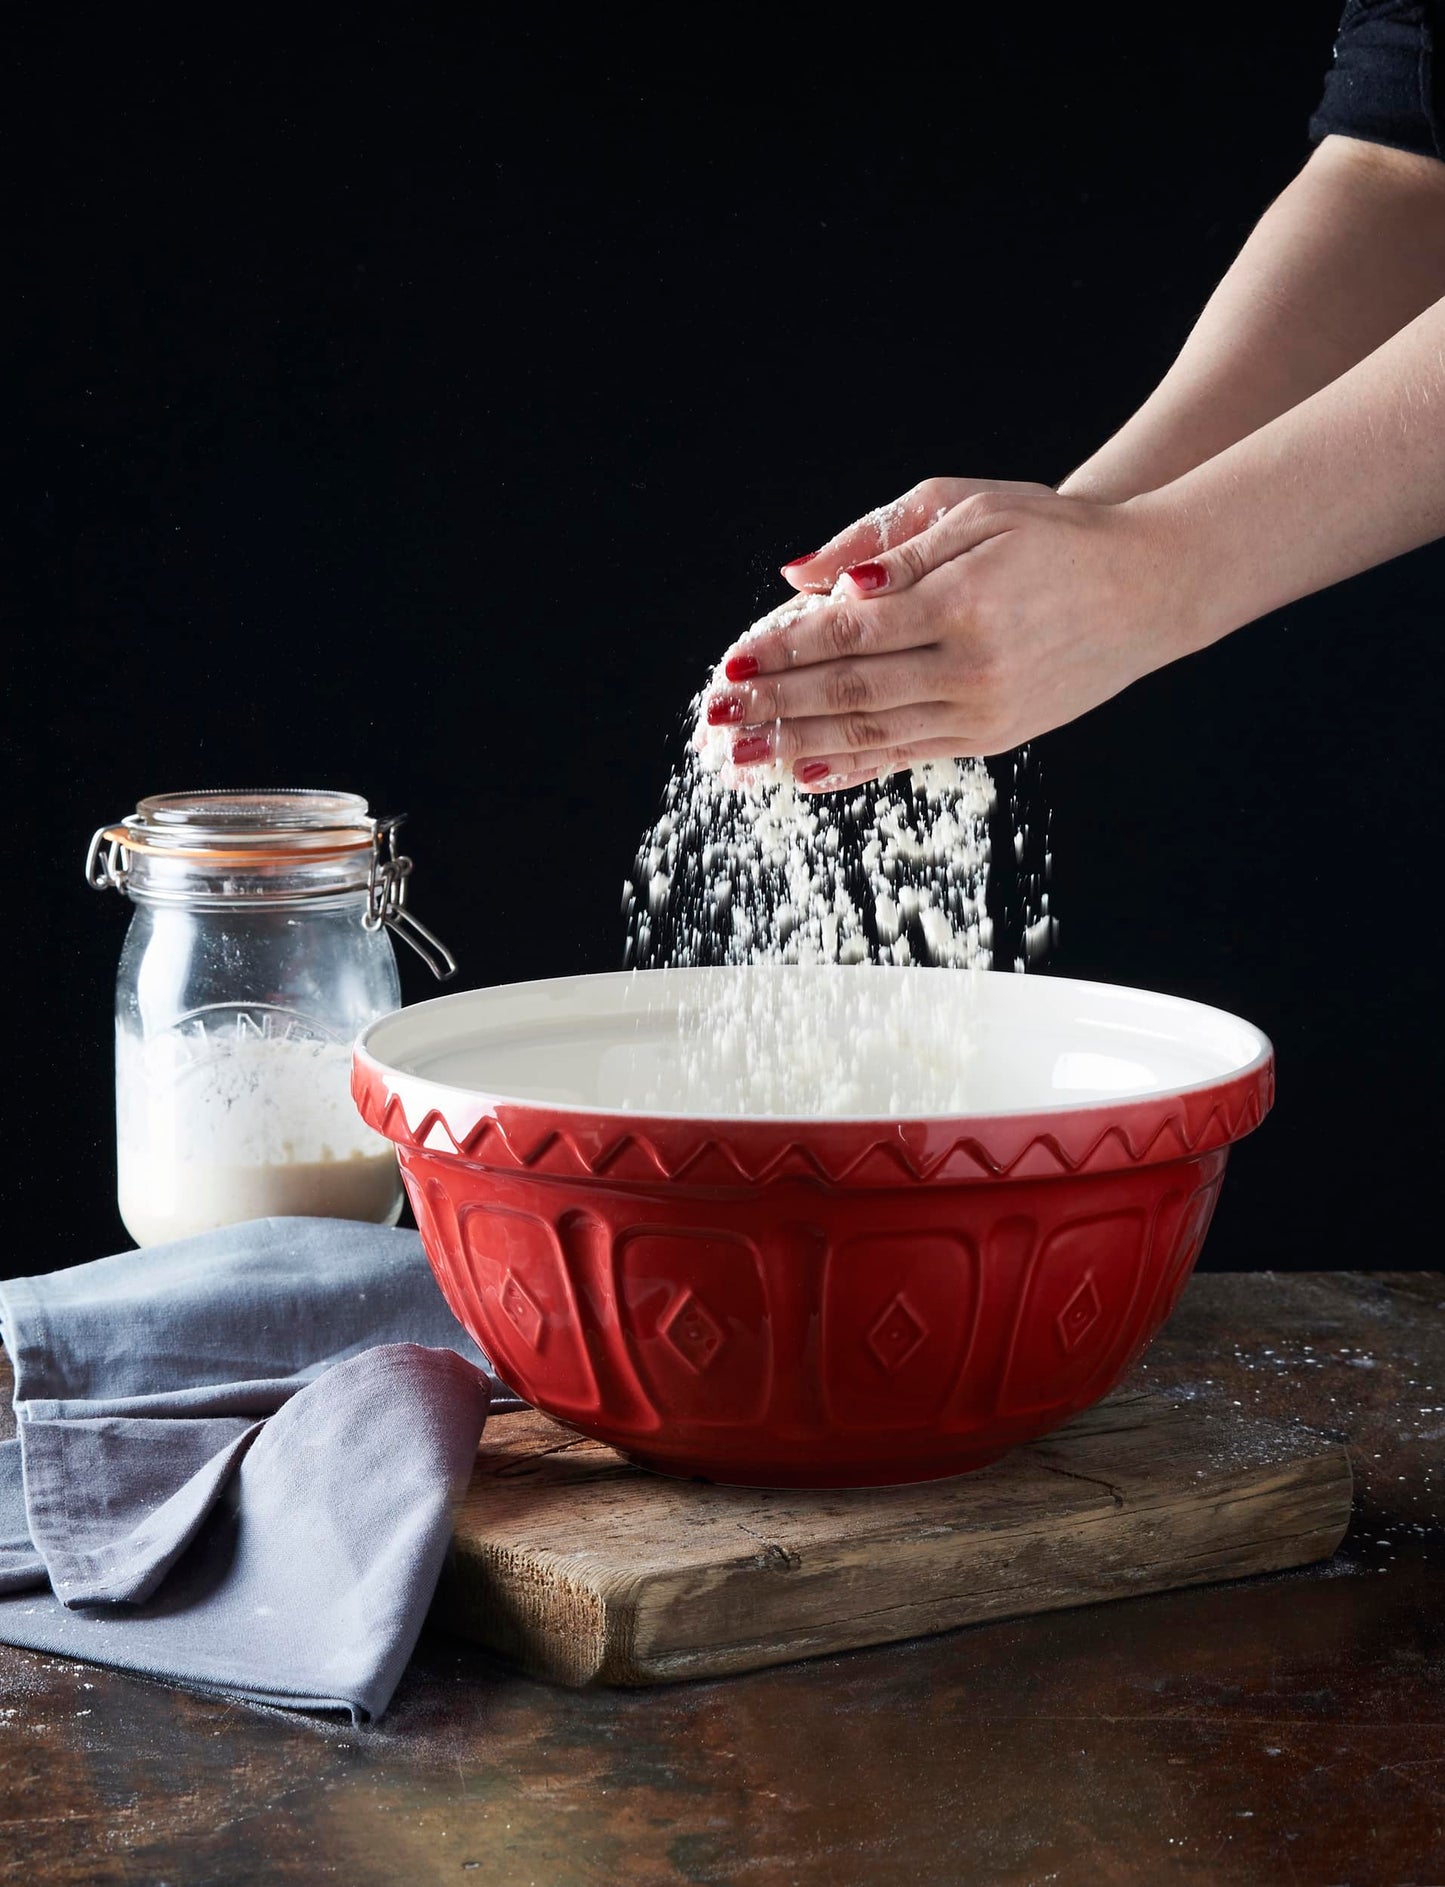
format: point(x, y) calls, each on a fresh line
point(1289, 1728)
point(580, 1568)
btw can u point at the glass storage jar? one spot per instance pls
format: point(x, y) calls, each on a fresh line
point(258, 950)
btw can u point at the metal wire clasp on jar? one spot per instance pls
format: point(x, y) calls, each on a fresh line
point(259, 948)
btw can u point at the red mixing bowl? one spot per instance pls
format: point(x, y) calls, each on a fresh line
point(819, 1299)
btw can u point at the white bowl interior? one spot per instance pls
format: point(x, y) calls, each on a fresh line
point(794, 1042)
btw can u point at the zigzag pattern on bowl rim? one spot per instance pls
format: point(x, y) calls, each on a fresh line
point(577, 1143)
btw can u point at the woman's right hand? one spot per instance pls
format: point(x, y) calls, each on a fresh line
point(893, 524)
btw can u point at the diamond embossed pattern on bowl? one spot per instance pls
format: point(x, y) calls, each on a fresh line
point(896, 1335)
point(865, 1338)
point(523, 1312)
point(1079, 1315)
point(693, 1332)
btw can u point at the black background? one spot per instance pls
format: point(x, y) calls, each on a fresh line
point(417, 412)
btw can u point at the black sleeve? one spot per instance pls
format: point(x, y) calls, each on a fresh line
point(1381, 86)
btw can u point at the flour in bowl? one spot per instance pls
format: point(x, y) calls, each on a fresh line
point(800, 1042)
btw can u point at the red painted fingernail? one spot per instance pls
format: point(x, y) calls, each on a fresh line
point(867, 577)
point(815, 770)
point(724, 710)
point(750, 747)
point(740, 667)
point(796, 563)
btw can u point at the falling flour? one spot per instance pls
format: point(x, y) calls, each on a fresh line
point(750, 870)
point(744, 868)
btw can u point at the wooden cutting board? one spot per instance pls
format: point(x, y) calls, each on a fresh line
point(578, 1567)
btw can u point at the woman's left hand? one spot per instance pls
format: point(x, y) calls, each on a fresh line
point(1012, 614)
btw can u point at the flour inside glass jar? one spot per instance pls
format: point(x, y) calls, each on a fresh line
point(244, 1116)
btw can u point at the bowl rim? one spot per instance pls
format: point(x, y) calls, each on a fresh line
point(1256, 1072)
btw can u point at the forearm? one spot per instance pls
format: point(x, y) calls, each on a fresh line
point(1345, 480)
point(1349, 254)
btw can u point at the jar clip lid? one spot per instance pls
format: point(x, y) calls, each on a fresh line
point(386, 900)
point(264, 831)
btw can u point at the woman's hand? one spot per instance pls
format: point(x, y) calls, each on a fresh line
point(927, 504)
point(1006, 613)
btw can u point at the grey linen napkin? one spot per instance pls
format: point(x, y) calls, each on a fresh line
point(236, 1459)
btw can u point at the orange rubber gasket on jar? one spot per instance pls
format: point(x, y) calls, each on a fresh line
point(258, 854)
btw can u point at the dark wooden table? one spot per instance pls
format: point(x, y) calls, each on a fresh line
point(1289, 1729)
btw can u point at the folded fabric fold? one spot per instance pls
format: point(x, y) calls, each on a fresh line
point(236, 1457)
point(20, 1564)
point(119, 1554)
